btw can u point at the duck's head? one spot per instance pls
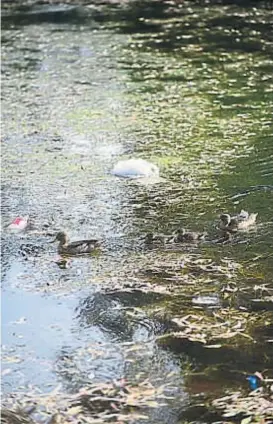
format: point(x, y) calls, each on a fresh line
point(181, 232)
point(225, 218)
point(62, 237)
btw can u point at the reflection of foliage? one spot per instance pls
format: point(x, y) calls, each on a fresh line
point(103, 312)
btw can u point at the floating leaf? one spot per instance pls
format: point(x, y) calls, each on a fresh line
point(12, 359)
point(246, 420)
point(6, 371)
point(74, 410)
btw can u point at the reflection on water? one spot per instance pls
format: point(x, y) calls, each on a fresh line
point(177, 85)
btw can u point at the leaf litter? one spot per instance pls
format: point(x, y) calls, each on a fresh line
point(117, 401)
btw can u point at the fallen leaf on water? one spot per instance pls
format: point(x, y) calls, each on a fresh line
point(21, 320)
point(74, 410)
point(171, 374)
point(6, 371)
point(11, 359)
point(216, 346)
point(134, 348)
point(151, 403)
point(246, 420)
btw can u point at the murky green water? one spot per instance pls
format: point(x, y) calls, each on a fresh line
point(190, 89)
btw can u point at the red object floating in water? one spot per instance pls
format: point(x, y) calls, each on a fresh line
point(19, 223)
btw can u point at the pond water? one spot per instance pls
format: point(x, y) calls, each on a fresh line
point(189, 88)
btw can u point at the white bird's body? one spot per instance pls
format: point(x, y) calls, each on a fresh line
point(135, 168)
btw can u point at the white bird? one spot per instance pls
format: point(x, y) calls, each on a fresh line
point(135, 168)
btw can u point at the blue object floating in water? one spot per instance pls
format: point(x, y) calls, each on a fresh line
point(253, 382)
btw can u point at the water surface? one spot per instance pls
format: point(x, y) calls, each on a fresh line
point(190, 89)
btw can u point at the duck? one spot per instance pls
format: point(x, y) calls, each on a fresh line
point(242, 221)
point(135, 168)
point(76, 247)
point(152, 238)
point(188, 236)
point(226, 237)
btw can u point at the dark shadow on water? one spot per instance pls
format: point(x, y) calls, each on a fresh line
point(60, 14)
point(228, 32)
point(138, 16)
point(108, 312)
point(248, 359)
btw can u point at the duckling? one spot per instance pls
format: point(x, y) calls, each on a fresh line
point(226, 237)
point(151, 238)
point(188, 236)
point(76, 247)
point(238, 222)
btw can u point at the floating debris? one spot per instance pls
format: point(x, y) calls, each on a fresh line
point(135, 168)
point(255, 406)
point(19, 223)
point(99, 403)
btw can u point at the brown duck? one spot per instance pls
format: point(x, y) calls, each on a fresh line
point(76, 247)
point(182, 236)
point(151, 238)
